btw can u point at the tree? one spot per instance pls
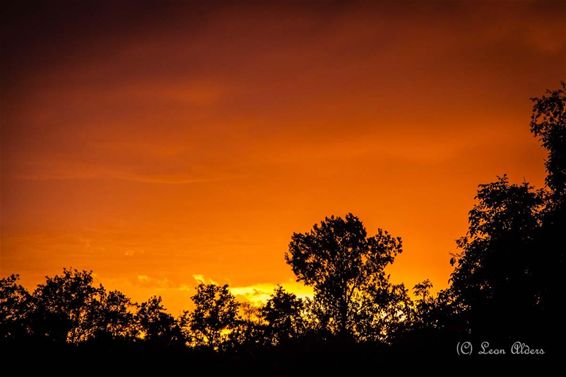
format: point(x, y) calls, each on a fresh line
point(423, 305)
point(247, 331)
point(548, 124)
point(508, 277)
point(440, 312)
point(62, 305)
point(15, 305)
point(495, 272)
point(215, 315)
point(422, 290)
point(283, 316)
point(157, 327)
point(381, 311)
point(343, 265)
point(112, 318)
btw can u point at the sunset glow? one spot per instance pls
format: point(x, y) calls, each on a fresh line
point(162, 148)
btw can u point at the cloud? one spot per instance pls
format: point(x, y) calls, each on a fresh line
point(202, 280)
point(154, 283)
point(257, 294)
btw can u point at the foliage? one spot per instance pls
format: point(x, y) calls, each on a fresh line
point(62, 305)
point(157, 327)
point(346, 269)
point(283, 316)
point(15, 305)
point(548, 124)
point(214, 316)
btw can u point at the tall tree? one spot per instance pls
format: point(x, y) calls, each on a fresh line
point(548, 124)
point(343, 265)
point(508, 276)
point(494, 274)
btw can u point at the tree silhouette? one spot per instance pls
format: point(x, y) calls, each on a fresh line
point(508, 275)
point(423, 306)
point(214, 316)
point(247, 331)
point(381, 311)
point(15, 305)
point(283, 316)
point(62, 306)
point(494, 273)
point(112, 318)
point(157, 327)
point(345, 267)
point(548, 123)
point(422, 290)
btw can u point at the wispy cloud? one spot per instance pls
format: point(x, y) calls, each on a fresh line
point(199, 278)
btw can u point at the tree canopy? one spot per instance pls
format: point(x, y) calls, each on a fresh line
point(345, 267)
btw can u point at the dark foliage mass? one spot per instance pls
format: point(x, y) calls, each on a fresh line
point(506, 287)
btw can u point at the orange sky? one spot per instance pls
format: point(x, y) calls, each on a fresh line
point(164, 146)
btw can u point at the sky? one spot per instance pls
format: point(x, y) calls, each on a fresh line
point(166, 144)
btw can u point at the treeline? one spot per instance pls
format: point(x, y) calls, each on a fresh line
point(507, 286)
point(70, 310)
